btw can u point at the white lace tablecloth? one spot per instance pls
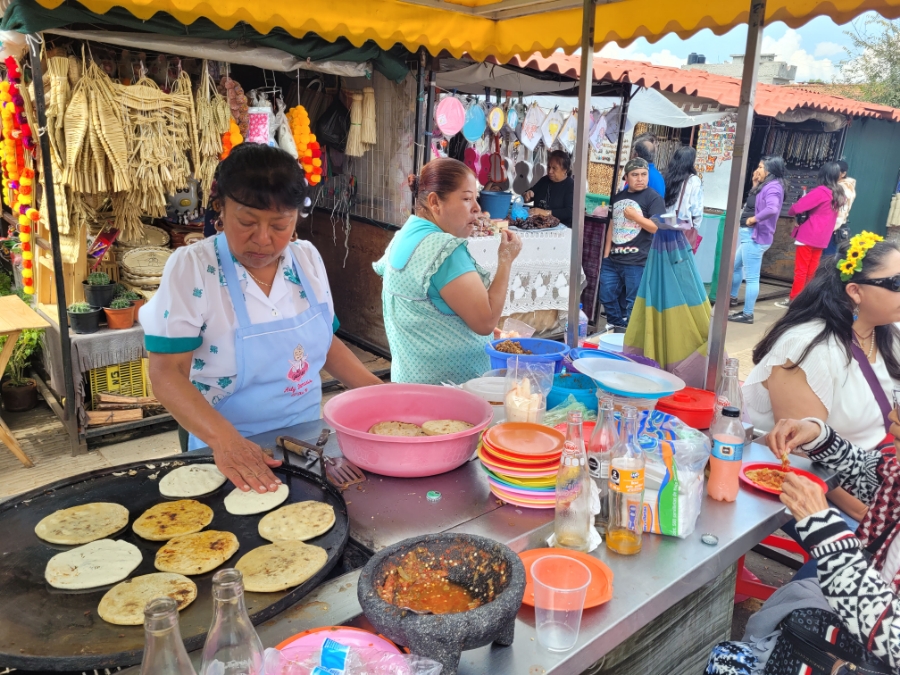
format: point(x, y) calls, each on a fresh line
point(540, 275)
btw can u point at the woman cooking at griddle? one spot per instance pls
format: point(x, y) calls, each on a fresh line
point(243, 321)
point(554, 194)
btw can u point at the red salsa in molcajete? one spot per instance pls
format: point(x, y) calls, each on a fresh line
point(424, 588)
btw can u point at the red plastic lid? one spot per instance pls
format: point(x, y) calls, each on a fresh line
point(688, 400)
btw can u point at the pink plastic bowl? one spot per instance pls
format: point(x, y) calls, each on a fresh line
point(353, 413)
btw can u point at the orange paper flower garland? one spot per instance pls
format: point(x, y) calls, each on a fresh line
point(307, 147)
point(231, 138)
point(18, 180)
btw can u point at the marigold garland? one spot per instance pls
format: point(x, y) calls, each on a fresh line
point(308, 148)
point(17, 179)
point(231, 138)
point(859, 246)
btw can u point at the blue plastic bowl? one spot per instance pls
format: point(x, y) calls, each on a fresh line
point(541, 351)
point(495, 203)
point(588, 353)
point(583, 388)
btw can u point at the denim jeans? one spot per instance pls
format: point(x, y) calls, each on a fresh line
point(618, 289)
point(747, 264)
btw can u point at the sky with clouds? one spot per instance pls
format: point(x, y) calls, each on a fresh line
point(817, 49)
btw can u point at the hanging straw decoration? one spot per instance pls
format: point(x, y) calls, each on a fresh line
point(368, 125)
point(355, 147)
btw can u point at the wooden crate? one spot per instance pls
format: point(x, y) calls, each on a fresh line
point(125, 379)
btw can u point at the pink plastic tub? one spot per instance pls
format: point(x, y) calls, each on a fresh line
point(353, 413)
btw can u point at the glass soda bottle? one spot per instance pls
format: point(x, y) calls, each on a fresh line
point(232, 645)
point(598, 454)
point(729, 391)
point(164, 652)
point(626, 489)
point(725, 462)
point(573, 491)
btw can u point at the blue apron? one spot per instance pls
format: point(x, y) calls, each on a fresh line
point(266, 397)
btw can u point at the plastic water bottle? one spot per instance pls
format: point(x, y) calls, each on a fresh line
point(598, 453)
point(582, 326)
point(626, 489)
point(573, 491)
point(725, 462)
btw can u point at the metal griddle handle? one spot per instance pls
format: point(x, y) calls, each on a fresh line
point(303, 449)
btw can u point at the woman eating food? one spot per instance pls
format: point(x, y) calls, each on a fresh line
point(856, 576)
point(440, 306)
point(835, 354)
point(243, 321)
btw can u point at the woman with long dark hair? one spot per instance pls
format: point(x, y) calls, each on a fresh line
point(758, 221)
point(684, 189)
point(821, 205)
point(835, 354)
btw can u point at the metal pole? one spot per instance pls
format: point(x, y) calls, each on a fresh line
point(429, 116)
point(623, 118)
point(579, 168)
point(50, 207)
point(420, 109)
point(735, 191)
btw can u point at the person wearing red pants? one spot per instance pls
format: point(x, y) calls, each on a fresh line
point(821, 206)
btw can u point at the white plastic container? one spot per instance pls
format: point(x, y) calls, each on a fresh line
point(613, 342)
point(492, 390)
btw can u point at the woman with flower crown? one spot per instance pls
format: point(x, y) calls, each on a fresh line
point(835, 354)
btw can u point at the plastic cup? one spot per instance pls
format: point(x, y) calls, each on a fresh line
point(560, 587)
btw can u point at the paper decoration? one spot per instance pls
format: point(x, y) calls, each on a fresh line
point(531, 127)
point(551, 127)
point(568, 135)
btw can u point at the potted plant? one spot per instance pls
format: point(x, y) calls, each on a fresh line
point(19, 393)
point(134, 298)
point(98, 289)
point(83, 318)
point(119, 314)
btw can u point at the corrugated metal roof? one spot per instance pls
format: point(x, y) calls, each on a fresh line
point(770, 99)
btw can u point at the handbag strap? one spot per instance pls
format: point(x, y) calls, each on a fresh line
point(681, 198)
point(872, 381)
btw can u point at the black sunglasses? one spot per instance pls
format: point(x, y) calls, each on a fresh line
point(890, 283)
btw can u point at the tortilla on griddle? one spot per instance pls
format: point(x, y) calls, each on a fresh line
point(173, 519)
point(279, 566)
point(191, 481)
point(82, 524)
point(196, 553)
point(240, 503)
point(124, 603)
point(297, 522)
point(99, 563)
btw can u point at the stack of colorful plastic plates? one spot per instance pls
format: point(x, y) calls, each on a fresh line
point(521, 460)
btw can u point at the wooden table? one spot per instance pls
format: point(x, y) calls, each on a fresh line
point(15, 316)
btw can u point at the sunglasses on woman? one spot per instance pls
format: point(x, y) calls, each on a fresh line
point(890, 283)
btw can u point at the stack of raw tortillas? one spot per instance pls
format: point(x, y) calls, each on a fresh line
point(82, 524)
point(172, 519)
point(297, 522)
point(240, 503)
point(191, 481)
point(279, 566)
point(98, 563)
point(196, 553)
point(124, 603)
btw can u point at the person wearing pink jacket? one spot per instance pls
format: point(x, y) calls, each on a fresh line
point(822, 205)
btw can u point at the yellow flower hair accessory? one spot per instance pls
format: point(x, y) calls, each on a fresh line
point(859, 246)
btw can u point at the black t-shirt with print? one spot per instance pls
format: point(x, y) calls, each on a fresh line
point(631, 243)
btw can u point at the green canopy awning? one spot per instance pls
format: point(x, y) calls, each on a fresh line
point(26, 16)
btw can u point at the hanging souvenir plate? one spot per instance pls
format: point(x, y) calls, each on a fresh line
point(512, 118)
point(496, 119)
point(531, 127)
point(450, 115)
point(475, 124)
point(551, 127)
point(568, 135)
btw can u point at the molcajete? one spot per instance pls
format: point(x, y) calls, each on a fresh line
point(490, 571)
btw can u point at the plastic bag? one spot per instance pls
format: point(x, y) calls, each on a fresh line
point(333, 126)
point(357, 661)
point(513, 328)
point(527, 386)
point(259, 125)
point(517, 210)
point(283, 134)
point(560, 413)
point(673, 479)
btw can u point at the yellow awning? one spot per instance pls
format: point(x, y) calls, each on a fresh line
point(481, 28)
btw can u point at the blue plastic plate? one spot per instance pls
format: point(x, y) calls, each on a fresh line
point(625, 378)
point(476, 123)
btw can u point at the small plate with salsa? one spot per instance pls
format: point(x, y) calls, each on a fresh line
point(767, 476)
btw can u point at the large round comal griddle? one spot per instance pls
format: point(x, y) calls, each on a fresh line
point(42, 628)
